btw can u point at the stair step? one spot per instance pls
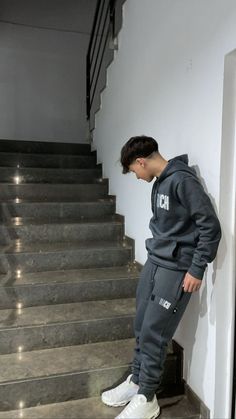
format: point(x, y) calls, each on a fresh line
point(35, 257)
point(58, 208)
point(67, 373)
point(58, 287)
point(50, 175)
point(177, 407)
point(47, 191)
point(19, 160)
point(58, 229)
point(45, 147)
point(59, 325)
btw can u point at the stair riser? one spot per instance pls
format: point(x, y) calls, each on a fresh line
point(61, 232)
point(50, 175)
point(57, 209)
point(47, 191)
point(74, 259)
point(67, 334)
point(46, 160)
point(69, 387)
point(46, 294)
point(44, 147)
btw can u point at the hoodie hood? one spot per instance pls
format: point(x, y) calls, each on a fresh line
point(178, 163)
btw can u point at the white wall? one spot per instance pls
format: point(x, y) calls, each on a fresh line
point(42, 71)
point(167, 81)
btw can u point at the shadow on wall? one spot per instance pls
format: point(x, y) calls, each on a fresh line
point(200, 306)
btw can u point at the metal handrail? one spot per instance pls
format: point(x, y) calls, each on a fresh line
point(103, 26)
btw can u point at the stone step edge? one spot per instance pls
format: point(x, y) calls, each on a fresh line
point(103, 182)
point(107, 199)
point(163, 402)
point(64, 374)
point(40, 284)
point(170, 356)
point(45, 143)
point(56, 155)
point(35, 326)
point(41, 222)
point(98, 168)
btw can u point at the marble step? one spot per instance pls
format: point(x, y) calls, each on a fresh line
point(37, 257)
point(50, 175)
point(34, 328)
point(47, 191)
point(68, 286)
point(68, 373)
point(57, 208)
point(44, 147)
point(176, 407)
point(61, 230)
point(19, 160)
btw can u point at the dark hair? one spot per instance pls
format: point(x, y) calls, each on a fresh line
point(140, 146)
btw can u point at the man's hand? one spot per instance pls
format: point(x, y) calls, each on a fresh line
point(191, 283)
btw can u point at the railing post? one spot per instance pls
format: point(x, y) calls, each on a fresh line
point(112, 42)
point(88, 70)
point(112, 17)
point(108, 36)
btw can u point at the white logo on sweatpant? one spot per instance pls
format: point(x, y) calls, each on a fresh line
point(163, 201)
point(164, 303)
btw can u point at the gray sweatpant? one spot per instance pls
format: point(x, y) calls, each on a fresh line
point(160, 305)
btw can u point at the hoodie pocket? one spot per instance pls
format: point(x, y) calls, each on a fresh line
point(163, 248)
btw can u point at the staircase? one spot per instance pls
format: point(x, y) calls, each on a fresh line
point(67, 288)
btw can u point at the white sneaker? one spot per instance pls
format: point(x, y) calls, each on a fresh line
point(120, 395)
point(140, 408)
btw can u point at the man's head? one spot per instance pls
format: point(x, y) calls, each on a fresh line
point(138, 155)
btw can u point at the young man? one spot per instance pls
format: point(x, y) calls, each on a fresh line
point(186, 234)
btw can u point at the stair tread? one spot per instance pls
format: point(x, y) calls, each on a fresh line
point(42, 155)
point(64, 313)
point(22, 221)
point(56, 169)
point(69, 276)
point(65, 360)
point(176, 407)
point(45, 147)
point(71, 200)
point(17, 246)
point(90, 183)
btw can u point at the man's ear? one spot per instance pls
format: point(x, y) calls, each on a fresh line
point(141, 161)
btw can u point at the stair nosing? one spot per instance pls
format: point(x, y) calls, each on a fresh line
point(39, 284)
point(74, 169)
point(103, 183)
point(16, 153)
point(56, 351)
point(107, 198)
point(63, 374)
point(36, 326)
point(81, 245)
point(60, 222)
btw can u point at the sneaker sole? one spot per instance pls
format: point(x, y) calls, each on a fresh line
point(116, 404)
point(156, 414)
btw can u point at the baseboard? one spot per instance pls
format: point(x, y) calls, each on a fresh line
point(197, 402)
point(191, 395)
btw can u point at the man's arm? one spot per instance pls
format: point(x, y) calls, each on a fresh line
point(192, 196)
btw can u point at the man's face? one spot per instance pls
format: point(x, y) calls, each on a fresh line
point(141, 169)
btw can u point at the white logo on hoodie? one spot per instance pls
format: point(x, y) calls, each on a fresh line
point(163, 201)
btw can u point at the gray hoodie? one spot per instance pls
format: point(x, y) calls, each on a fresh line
point(185, 228)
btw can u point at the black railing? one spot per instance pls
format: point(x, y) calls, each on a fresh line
point(103, 30)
